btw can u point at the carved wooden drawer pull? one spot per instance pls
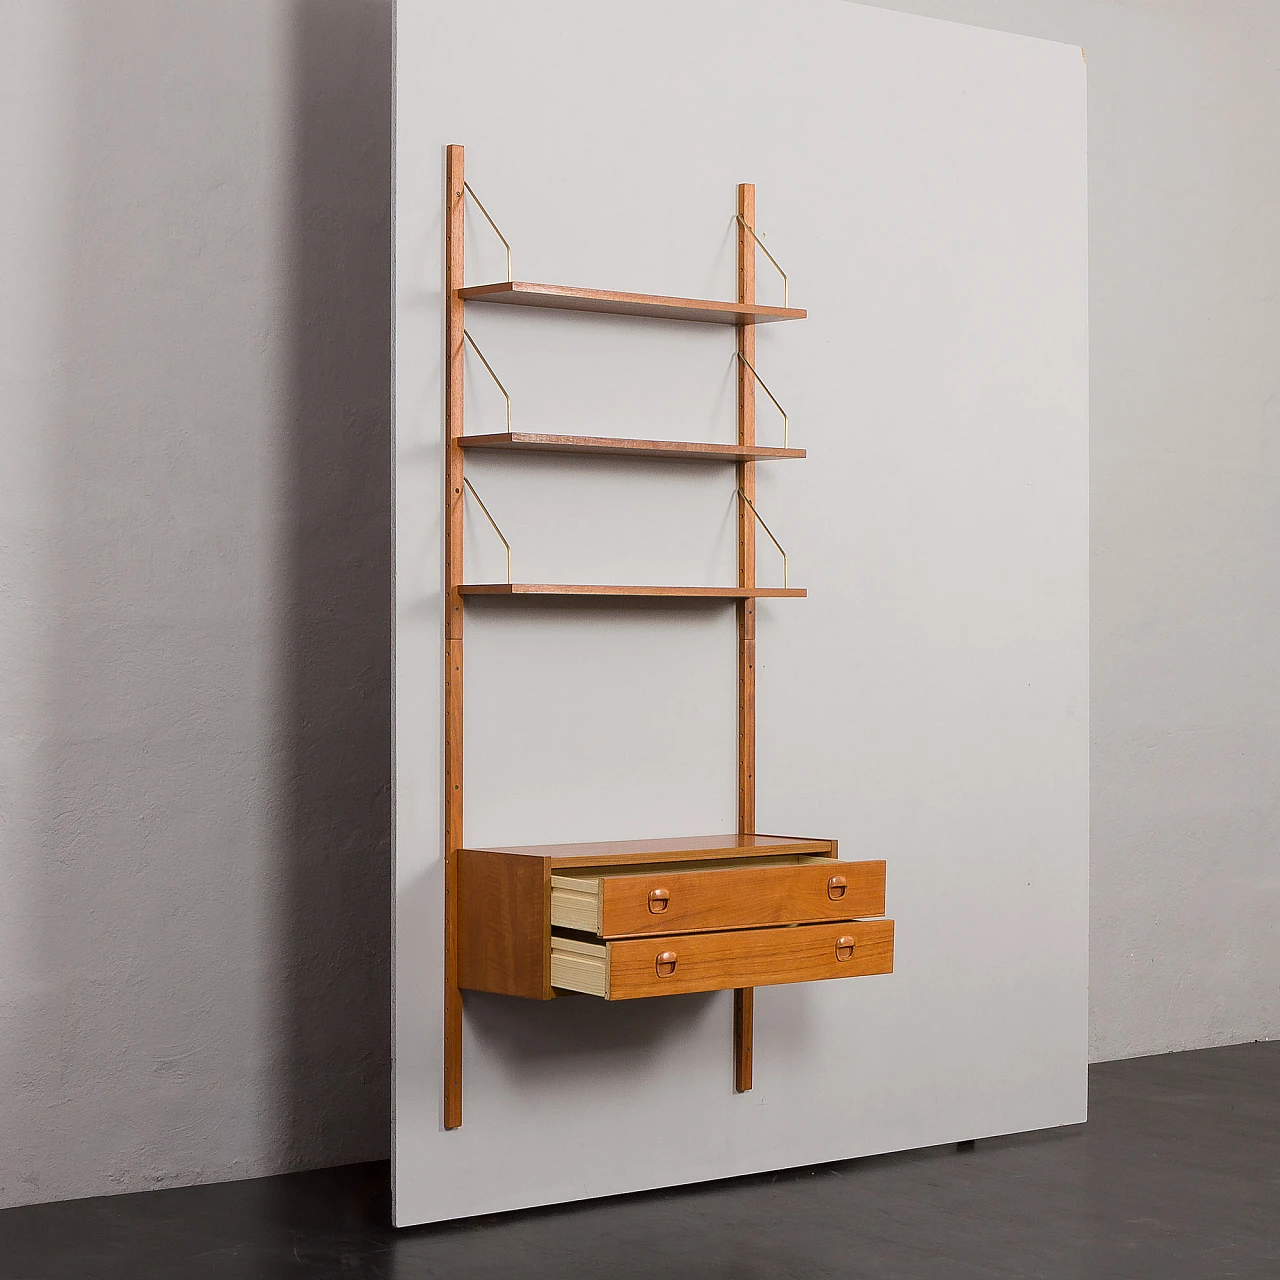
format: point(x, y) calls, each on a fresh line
point(836, 887)
point(658, 901)
point(666, 964)
point(844, 948)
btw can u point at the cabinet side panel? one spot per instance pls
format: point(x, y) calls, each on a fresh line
point(504, 925)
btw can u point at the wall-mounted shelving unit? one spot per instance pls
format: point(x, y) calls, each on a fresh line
point(629, 919)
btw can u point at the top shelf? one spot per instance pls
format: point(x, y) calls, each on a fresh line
point(654, 306)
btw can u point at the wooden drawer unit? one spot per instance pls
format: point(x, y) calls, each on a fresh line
point(632, 968)
point(743, 894)
point(733, 911)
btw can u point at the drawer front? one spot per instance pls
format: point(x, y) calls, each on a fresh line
point(740, 898)
point(638, 967)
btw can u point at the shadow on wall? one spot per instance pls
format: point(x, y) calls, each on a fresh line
point(336, 941)
point(208, 882)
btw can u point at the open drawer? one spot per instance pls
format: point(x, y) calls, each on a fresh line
point(623, 901)
point(709, 892)
point(632, 968)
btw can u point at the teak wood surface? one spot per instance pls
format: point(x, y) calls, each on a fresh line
point(698, 901)
point(744, 998)
point(644, 593)
point(505, 917)
point(653, 306)
point(751, 958)
point(614, 446)
point(453, 619)
point(603, 853)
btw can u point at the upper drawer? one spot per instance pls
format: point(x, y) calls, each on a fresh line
point(631, 902)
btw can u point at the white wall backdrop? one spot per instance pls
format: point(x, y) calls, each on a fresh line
point(924, 185)
point(1185, 408)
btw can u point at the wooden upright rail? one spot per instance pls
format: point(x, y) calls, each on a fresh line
point(744, 998)
point(453, 615)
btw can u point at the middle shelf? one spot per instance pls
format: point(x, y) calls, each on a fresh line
point(531, 442)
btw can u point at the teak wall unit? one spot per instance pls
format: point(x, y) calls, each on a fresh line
point(633, 918)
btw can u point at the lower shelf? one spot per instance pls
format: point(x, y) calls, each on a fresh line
point(613, 446)
point(634, 968)
point(645, 593)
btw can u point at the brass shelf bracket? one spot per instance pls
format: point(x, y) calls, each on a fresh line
point(769, 531)
point(751, 231)
point(501, 536)
point(466, 186)
point(498, 381)
point(765, 386)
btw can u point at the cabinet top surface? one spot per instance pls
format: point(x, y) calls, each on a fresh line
point(670, 849)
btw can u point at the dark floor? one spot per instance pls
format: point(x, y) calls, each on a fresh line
point(1176, 1175)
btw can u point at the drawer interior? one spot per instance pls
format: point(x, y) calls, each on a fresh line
point(575, 894)
point(578, 965)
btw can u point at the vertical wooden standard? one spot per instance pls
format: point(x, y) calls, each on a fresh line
point(454, 265)
point(744, 998)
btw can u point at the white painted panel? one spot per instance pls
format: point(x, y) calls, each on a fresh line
point(924, 185)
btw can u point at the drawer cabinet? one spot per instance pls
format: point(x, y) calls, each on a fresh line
point(635, 919)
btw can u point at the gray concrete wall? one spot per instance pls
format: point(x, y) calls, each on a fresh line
point(194, 590)
point(194, 533)
point(1184, 113)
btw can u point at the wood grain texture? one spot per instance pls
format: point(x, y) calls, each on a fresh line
point(744, 1034)
point(752, 958)
point(504, 924)
point(453, 619)
point(740, 898)
point(612, 446)
point(650, 593)
point(651, 306)
point(668, 849)
point(744, 999)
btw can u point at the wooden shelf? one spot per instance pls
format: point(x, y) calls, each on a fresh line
point(526, 442)
point(654, 306)
point(576, 589)
point(670, 849)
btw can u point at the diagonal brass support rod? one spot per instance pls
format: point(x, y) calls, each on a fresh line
point(466, 186)
point(769, 531)
point(765, 386)
point(751, 231)
point(498, 380)
point(498, 531)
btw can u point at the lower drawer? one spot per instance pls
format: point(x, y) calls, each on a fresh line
point(635, 967)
